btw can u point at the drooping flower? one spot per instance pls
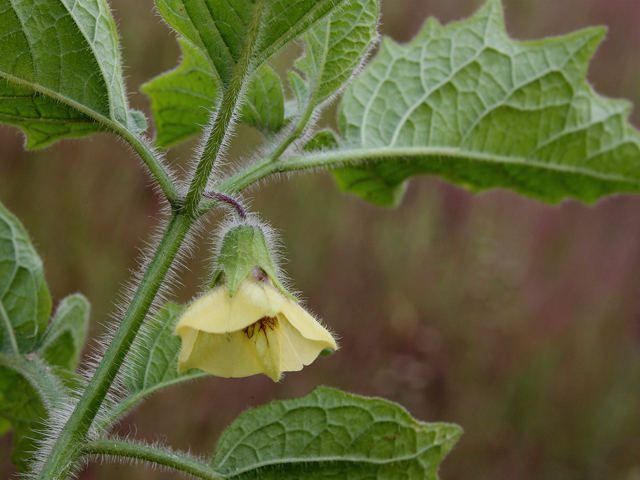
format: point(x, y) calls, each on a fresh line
point(258, 330)
point(248, 323)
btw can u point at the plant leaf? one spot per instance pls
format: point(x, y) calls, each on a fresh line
point(153, 359)
point(20, 402)
point(60, 72)
point(332, 434)
point(183, 99)
point(29, 390)
point(467, 103)
point(323, 140)
point(336, 47)
point(219, 29)
point(62, 343)
point(264, 106)
point(31, 381)
point(25, 303)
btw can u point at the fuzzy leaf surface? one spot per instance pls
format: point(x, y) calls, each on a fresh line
point(153, 358)
point(219, 29)
point(36, 366)
point(60, 72)
point(467, 103)
point(323, 140)
point(25, 303)
point(62, 343)
point(332, 434)
point(335, 48)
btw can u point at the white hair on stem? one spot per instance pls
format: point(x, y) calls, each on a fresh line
point(61, 411)
point(108, 458)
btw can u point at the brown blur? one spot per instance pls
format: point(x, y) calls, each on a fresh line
point(519, 321)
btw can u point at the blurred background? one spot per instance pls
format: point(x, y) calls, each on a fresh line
point(517, 320)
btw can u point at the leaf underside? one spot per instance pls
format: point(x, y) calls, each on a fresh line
point(218, 29)
point(213, 36)
point(468, 104)
point(332, 434)
point(25, 303)
point(335, 48)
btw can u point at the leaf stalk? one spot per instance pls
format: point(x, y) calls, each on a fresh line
point(120, 448)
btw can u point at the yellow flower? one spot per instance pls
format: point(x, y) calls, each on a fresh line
point(258, 330)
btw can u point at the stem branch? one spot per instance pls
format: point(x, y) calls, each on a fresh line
point(120, 448)
point(152, 163)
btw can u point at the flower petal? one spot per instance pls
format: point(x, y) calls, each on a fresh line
point(297, 350)
point(258, 330)
point(215, 312)
point(308, 326)
point(226, 355)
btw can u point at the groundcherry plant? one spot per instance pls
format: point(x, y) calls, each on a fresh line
point(462, 101)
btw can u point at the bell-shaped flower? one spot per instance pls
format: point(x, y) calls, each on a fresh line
point(258, 330)
point(248, 323)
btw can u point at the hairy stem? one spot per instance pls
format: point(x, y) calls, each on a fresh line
point(229, 201)
point(120, 448)
point(66, 449)
point(259, 170)
point(152, 163)
point(222, 127)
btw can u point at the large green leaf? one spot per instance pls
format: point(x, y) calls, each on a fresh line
point(219, 29)
point(332, 434)
point(335, 48)
point(62, 343)
point(467, 103)
point(25, 303)
point(60, 72)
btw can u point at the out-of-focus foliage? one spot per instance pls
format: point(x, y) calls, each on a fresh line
point(516, 320)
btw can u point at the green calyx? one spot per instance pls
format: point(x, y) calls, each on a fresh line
point(245, 251)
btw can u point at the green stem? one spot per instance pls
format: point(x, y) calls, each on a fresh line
point(152, 163)
point(121, 448)
point(65, 451)
point(222, 127)
point(264, 167)
point(354, 156)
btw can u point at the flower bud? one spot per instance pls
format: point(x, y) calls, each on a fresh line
point(248, 323)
